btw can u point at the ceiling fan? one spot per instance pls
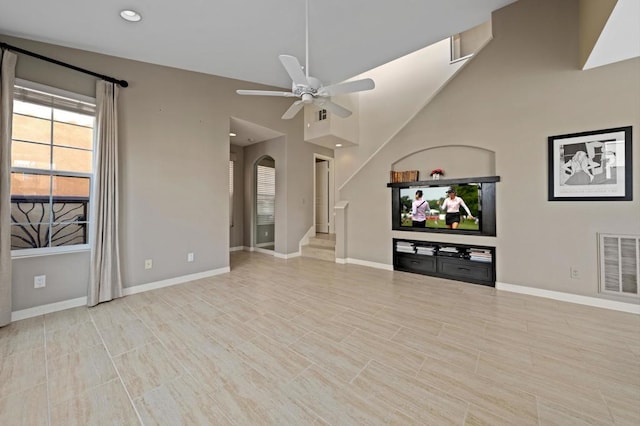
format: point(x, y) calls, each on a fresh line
point(310, 89)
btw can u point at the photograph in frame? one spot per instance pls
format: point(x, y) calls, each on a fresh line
point(591, 166)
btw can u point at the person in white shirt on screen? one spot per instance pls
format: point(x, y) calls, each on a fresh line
point(451, 206)
point(419, 210)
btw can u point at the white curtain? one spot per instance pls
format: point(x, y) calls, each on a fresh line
point(105, 282)
point(7, 77)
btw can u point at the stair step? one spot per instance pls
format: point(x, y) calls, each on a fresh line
point(325, 240)
point(324, 236)
point(319, 252)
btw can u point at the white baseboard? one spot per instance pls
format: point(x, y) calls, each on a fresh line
point(263, 251)
point(268, 243)
point(341, 261)
point(370, 264)
point(48, 308)
point(127, 291)
point(239, 248)
point(287, 256)
point(571, 298)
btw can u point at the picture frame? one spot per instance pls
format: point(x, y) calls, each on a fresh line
point(591, 166)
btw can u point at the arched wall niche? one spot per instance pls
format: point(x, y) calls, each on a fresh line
point(457, 161)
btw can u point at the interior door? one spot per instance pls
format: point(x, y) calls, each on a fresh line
point(322, 196)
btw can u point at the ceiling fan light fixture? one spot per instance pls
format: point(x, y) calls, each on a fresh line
point(130, 15)
point(309, 89)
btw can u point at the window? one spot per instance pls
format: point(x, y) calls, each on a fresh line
point(465, 44)
point(230, 192)
point(51, 168)
point(266, 195)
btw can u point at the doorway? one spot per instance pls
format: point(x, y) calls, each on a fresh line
point(323, 194)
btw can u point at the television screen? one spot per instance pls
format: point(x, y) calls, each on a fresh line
point(435, 215)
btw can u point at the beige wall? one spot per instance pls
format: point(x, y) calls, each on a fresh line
point(524, 86)
point(174, 153)
point(403, 87)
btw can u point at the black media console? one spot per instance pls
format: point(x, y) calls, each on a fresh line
point(470, 263)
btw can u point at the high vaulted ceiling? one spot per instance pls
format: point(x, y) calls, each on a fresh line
point(243, 38)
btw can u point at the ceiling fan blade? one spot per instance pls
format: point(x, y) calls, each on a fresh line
point(294, 69)
point(332, 107)
point(348, 87)
point(265, 93)
point(293, 110)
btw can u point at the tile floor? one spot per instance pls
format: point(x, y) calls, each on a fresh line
point(301, 341)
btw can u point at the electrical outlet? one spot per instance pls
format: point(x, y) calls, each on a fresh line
point(574, 273)
point(39, 281)
point(189, 257)
point(148, 264)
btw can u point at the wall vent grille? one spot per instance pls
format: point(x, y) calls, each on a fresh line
point(619, 264)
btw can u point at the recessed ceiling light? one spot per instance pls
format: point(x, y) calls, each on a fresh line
point(130, 15)
point(338, 145)
point(232, 134)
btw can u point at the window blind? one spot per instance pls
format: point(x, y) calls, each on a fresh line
point(266, 195)
point(26, 94)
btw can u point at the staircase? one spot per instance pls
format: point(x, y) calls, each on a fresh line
point(322, 246)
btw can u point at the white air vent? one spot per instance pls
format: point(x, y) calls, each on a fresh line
point(619, 264)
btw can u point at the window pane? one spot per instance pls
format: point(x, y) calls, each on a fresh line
point(25, 108)
point(72, 117)
point(31, 129)
point(68, 234)
point(28, 209)
point(72, 135)
point(30, 155)
point(231, 193)
point(71, 187)
point(66, 210)
point(26, 236)
point(72, 160)
point(30, 184)
point(266, 195)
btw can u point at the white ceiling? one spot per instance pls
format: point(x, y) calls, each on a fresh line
point(242, 38)
point(248, 133)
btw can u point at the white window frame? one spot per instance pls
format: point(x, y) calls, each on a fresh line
point(47, 251)
point(231, 188)
point(454, 47)
point(271, 194)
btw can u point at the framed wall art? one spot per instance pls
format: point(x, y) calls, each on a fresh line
point(591, 166)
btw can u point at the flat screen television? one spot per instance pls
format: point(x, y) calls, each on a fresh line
point(478, 195)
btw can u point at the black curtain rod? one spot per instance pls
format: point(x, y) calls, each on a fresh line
point(121, 83)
